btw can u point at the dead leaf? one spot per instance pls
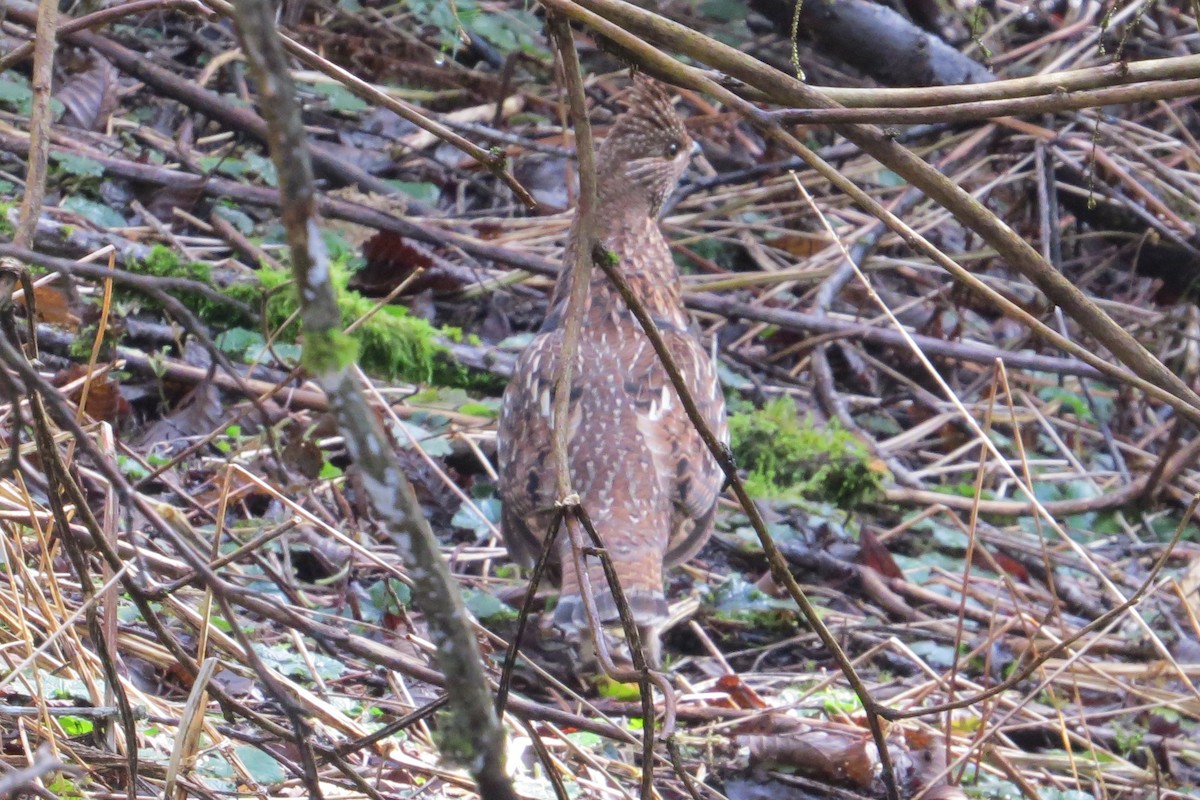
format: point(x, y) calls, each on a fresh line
point(390, 261)
point(873, 554)
point(740, 693)
point(104, 400)
point(52, 306)
point(90, 97)
point(182, 194)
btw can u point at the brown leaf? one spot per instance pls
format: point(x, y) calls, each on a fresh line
point(390, 261)
point(873, 554)
point(801, 245)
point(52, 306)
point(104, 400)
point(1005, 562)
point(741, 694)
point(823, 755)
point(90, 97)
point(487, 230)
point(182, 194)
point(304, 456)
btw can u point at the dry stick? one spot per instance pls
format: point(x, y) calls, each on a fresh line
point(543, 755)
point(990, 109)
point(626, 615)
point(539, 569)
point(143, 283)
point(560, 34)
point(23, 781)
point(329, 207)
point(779, 568)
point(510, 656)
point(40, 118)
point(694, 77)
point(988, 444)
point(641, 667)
point(828, 291)
point(472, 727)
point(1098, 624)
point(494, 163)
point(105, 647)
point(1160, 69)
point(623, 23)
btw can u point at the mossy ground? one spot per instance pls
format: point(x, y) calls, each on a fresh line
point(788, 458)
point(391, 343)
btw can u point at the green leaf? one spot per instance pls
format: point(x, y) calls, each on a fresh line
point(75, 164)
point(340, 98)
point(487, 606)
point(586, 739)
point(97, 213)
point(64, 789)
point(385, 594)
point(232, 167)
point(76, 726)
point(62, 688)
point(236, 341)
point(263, 167)
point(131, 468)
point(287, 352)
point(236, 217)
point(1072, 401)
point(467, 519)
point(839, 701)
point(15, 93)
point(510, 30)
point(219, 622)
point(480, 409)
point(262, 767)
point(428, 193)
point(887, 178)
point(724, 10)
point(613, 690)
point(288, 662)
point(434, 445)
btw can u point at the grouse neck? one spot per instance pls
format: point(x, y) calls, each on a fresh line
point(644, 261)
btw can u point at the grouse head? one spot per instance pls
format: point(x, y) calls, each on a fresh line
point(646, 152)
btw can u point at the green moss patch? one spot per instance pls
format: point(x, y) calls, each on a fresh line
point(788, 458)
point(391, 343)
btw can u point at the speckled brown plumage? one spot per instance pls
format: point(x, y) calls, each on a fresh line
point(638, 465)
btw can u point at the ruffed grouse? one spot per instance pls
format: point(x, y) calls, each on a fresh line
point(638, 465)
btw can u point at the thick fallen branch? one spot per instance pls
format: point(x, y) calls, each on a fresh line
point(875, 39)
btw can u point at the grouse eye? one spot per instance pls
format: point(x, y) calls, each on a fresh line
point(672, 149)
